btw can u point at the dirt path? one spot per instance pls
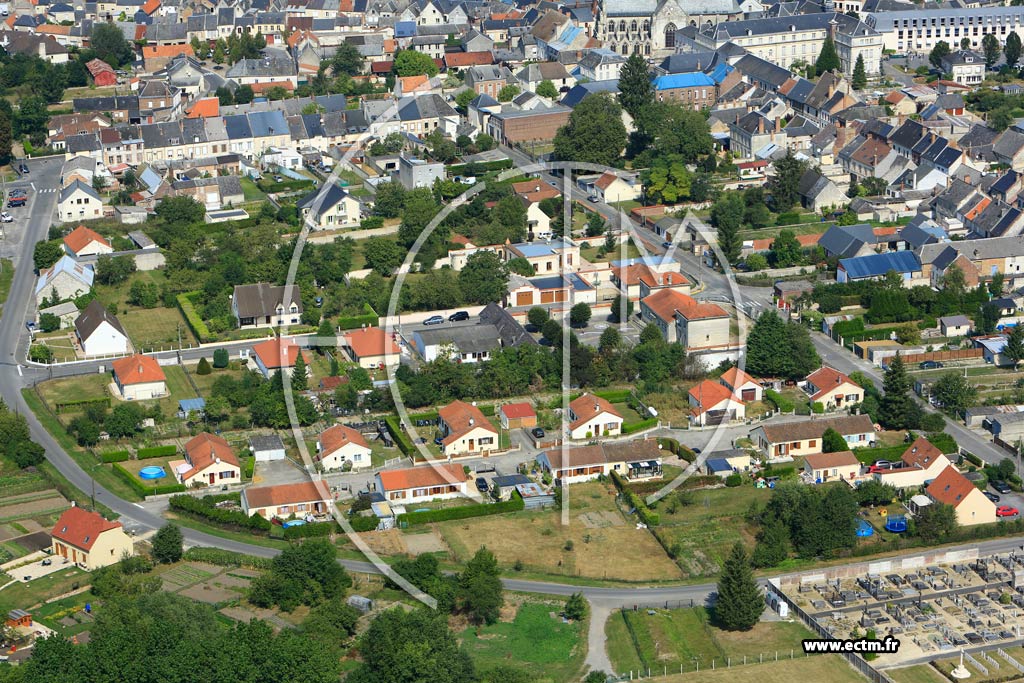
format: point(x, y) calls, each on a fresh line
point(597, 655)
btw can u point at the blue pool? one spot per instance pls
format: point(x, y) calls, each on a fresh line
point(896, 524)
point(864, 529)
point(152, 472)
point(294, 522)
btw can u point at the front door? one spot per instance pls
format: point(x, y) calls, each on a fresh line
point(472, 444)
point(213, 478)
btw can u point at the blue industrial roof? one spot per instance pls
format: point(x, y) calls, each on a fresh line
point(548, 282)
point(535, 249)
point(405, 29)
point(719, 73)
point(691, 80)
point(876, 265)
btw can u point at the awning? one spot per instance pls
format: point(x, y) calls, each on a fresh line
point(118, 168)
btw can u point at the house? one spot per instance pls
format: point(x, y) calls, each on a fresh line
point(139, 378)
point(85, 242)
point(818, 192)
point(371, 348)
point(265, 305)
point(635, 460)
point(718, 467)
point(661, 307)
point(1007, 428)
point(79, 202)
point(413, 173)
point(714, 403)
point(421, 484)
point(209, 461)
point(470, 343)
point(266, 447)
point(992, 349)
point(820, 468)
point(277, 355)
point(804, 438)
point(971, 505)
point(100, 332)
point(465, 430)
point(517, 416)
point(876, 266)
point(921, 463)
point(549, 289)
point(329, 208)
point(591, 416)
point(612, 188)
point(342, 448)
point(955, 326)
point(966, 66)
point(66, 279)
point(741, 384)
point(299, 500)
point(832, 389)
point(730, 461)
point(88, 540)
point(557, 255)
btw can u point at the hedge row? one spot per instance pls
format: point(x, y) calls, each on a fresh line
point(226, 558)
point(398, 434)
point(480, 166)
point(646, 515)
point(156, 452)
point(352, 322)
point(632, 427)
point(464, 512)
point(314, 530)
point(614, 395)
point(869, 456)
point(205, 509)
point(782, 403)
point(61, 406)
point(115, 456)
point(140, 488)
point(192, 317)
point(363, 522)
point(676, 448)
point(973, 459)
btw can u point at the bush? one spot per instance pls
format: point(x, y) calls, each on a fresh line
point(81, 404)
point(973, 459)
point(789, 218)
point(818, 407)
point(203, 368)
point(204, 508)
point(734, 480)
point(353, 322)
point(633, 427)
point(464, 512)
point(401, 439)
point(316, 530)
point(221, 359)
point(115, 456)
point(192, 317)
point(781, 403)
point(646, 515)
point(156, 452)
point(362, 523)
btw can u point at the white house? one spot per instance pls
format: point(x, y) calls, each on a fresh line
point(741, 384)
point(465, 430)
point(139, 378)
point(591, 416)
point(340, 447)
point(921, 463)
point(714, 403)
point(209, 461)
point(100, 332)
point(955, 326)
point(329, 208)
point(420, 484)
point(302, 499)
point(804, 438)
point(79, 202)
point(265, 305)
point(820, 468)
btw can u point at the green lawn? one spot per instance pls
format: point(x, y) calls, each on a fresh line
point(922, 673)
point(6, 277)
point(27, 595)
point(251, 192)
point(536, 641)
point(155, 329)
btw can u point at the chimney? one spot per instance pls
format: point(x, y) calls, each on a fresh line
point(778, 124)
point(760, 124)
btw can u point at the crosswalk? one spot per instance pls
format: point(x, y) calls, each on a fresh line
point(48, 190)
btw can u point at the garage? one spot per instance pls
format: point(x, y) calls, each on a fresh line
point(524, 299)
point(749, 394)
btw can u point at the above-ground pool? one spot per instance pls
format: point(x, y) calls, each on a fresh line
point(864, 528)
point(294, 522)
point(896, 524)
point(152, 472)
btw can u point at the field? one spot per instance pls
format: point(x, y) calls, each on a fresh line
point(605, 545)
point(27, 595)
point(147, 327)
point(685, 638)
point(536, 640)
point(702, 526)
point(28, 509)
point(922, 673)
point(831, 668)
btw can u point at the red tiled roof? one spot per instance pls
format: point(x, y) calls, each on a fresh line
point(458, 60)
point(339, 436)
point(517, 411)
point(98, 66)
point(588, 406)
point(606, 179)
point(53, 30)
point(204, 108)
point(81, 237)
point(81, 528)
point(950, 487)
point(278, 353)
point(413, 83)
point(287, 494)
point(922, 453)
point(709, 394)
point(418, 477)
point(331, 383)
point(151, 6)
point(370, 342)
point(151, 51)
point(138, 369)
point(736, 378)
point(826, 379)
point(206, 449)
point(461, 418)
point(263, 87)
point(665, 303)
point(822, 461)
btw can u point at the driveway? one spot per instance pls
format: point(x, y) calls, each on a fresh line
point(36, 569)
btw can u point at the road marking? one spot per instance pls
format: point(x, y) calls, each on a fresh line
point(32, 185)
point(139, 506)
point(20, 373)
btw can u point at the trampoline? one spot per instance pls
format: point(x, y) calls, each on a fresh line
point(152, 472)
point(294, 522)
point(896, 524)
point(864, 529)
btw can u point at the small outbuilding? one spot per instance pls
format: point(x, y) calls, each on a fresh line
point(518, 416)
point(267, 447)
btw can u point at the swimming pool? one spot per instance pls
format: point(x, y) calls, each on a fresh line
point(152, 472)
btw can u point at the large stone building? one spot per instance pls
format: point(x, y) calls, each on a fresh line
point(649, 26)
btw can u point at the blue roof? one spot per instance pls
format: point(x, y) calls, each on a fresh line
point(578, 283)
point(719, 73)
point(187, 405)
point(82, 272)
point(535, 249)
point(581, 90)
point(549, 282)
point(718, 465)
point(237, 127)
point(876, 265)
point(268, 123)
point(405, 29)
point(691, 80)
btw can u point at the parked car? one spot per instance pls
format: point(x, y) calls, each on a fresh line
point(16, 202)
point(481, 485)
point(667, 245)
point(47, 562)
point(278, 179)
point(537, 432)
point(17, 192)
point(434, 320)
point(6, 217)
point(23, 168)
point(592, 199)
point(1001, 486)
point(458, 315)
point(1007, 511)
point(930, 365)
point(318, 302)
point(991, 496)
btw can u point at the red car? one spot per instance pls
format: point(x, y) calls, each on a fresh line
point(1006, 511)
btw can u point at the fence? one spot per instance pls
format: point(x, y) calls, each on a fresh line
point(958, 354)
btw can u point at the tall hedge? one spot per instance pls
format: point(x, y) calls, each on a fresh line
point(514, 504)
point(646, 515)
point(205, 509)
point(156, 452)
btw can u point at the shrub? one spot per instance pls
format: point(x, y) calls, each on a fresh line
point(818, 407)
point(315, 530)
point(226, 558)
point(464, 512)
point(402, 439)
point(352, 322)
point(115, 456)
point(646, 515)
point(203, 368)
point(363, 522)
point(221, 359)
point(973, 459)
point(782, 403)
point(192, 317)
point(205, 509)
point(632, 427)
point(734, 480)
point(156, 452)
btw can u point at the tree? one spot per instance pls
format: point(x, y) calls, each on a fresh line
point(828, 58)
point(112, 270)
point(784, 185)
point(575, 607)
point(897, 410)
point(995, 285)
point(521, 266)
point(6, 138)
point(383, 255)
point(109, 44)
point(620, 305)
point(954, 392)
point(1012, 49)
point(992, 49)
point(596, 225)
point(551, 330)
point(480, 587)
point(833, 442)
point(936, 522)
point(508, 93)
point(874, 492)
point(756, 262)
point(547, 89)
point(765, 344)
point(167, 544)
point(412, 63)
point(203, 367)
point(389, 199)
point(727, 217)
point(485, 142)
point(411, 647)
point(46, 254)
point(785, 250)
point(772, 545)
point(300, 376)
point(244, 94)
point(610, 341)
point(465, 97)
point(635, 88)
point(180, 211)
point(484, 278)
point(1014, 349)
point(221, 359)
point(48, 322)
point(346, 60)
point(579, 315)
point(537, 316)
point(740, 602)
point(1000, 118)
point(860, 74)
point(594, 134)
point(940, 51)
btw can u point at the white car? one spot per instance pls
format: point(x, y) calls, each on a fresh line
point(6, 217)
